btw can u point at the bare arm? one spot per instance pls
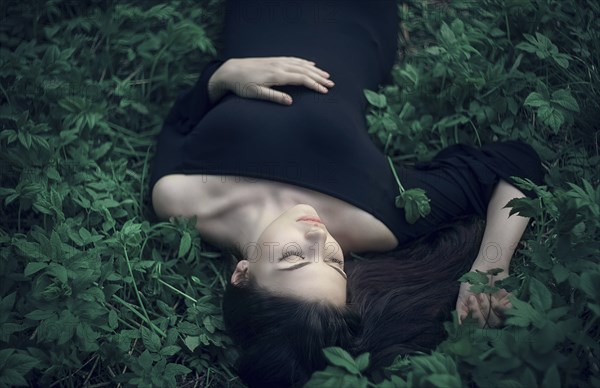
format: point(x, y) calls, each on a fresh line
point(502, 232)
point(500, 238)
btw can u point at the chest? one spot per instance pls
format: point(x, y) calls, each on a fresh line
point(355, 229)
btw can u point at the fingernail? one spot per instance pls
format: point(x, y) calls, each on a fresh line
point(330, 82)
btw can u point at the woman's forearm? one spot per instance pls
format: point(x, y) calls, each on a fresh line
point(502, 232)
point(217, 87)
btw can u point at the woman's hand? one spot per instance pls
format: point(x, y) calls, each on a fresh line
point(253, 77)
point(487, 309)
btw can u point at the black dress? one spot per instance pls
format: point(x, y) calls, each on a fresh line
point(321, 142)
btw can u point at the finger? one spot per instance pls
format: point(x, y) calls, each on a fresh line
point(311, 73)
point(503, 303)
point(501, 293)
point(462, 312)
point(321, 72)
point(484, 302)
point(300, 61)
point(476, 310)
point(490, 316)
point(263, 93)
point(498, 307)
point(301, 79)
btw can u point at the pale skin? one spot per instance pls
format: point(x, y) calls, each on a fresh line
point(261, 217)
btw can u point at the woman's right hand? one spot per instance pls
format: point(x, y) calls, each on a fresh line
point(253, 78)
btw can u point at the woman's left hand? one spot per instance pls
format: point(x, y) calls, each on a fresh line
point(487, 309)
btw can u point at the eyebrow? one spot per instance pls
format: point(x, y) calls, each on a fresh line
point(304, 264)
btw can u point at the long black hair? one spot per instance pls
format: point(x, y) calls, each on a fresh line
point(281, 337)
point(397, 303)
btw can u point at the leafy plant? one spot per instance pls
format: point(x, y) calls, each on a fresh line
point(93, 291)
point(414, 201)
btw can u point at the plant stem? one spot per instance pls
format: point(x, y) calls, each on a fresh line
point(145, 319)
point(137, 292)
point(177, 291)
point(507, 27)
point(396, 175)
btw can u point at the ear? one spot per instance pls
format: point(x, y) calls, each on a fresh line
point(240, 275)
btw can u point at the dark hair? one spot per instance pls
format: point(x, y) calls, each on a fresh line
point(281, 337)
point(404, 296)
point(397, 303)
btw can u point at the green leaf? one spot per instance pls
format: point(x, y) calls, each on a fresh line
point(443, 380)
point(551, 378)
point(88, 336)
point(145, 360)
point(184, 244)
point(561, 60)
point(535, 99)
point(362, 361)
point(151, 340)
point(590, 284)
point(551, 117)
point(168, 351)
point(113, 321)
point(339, 357)
point(528, 47)
point(375, 99)
point(410, 73)
point(389, 124)
point(59, 271)
point(22, 363)
point(541, 298)
point(85, 234)
point(334, 377)
point(207, 321)
point(29, 249)
point(564, 98)
point(560, 273)
point(7, 303)
point(39, 315)
point(4, 356)
point(522, 314)
point(447, 33)
point(34, 267)
point(474, 277)
point(176, 369)
point(192, 342)
point(12, 379)
point(140, 108)
point(415, 203)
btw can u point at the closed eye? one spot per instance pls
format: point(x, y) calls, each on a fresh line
point(305, 263)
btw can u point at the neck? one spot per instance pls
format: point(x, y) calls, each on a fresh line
point(248, 220)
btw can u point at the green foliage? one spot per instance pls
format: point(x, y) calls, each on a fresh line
point(497, 70)
point(92, 292)
point(414, 201)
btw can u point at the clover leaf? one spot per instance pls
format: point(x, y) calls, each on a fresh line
point(414, 201)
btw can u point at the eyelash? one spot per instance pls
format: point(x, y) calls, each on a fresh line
point(296, 253)
point(292, 253)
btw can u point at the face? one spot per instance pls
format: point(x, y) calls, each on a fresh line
point(296, 257)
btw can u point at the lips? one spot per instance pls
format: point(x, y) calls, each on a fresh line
point(310, 219)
